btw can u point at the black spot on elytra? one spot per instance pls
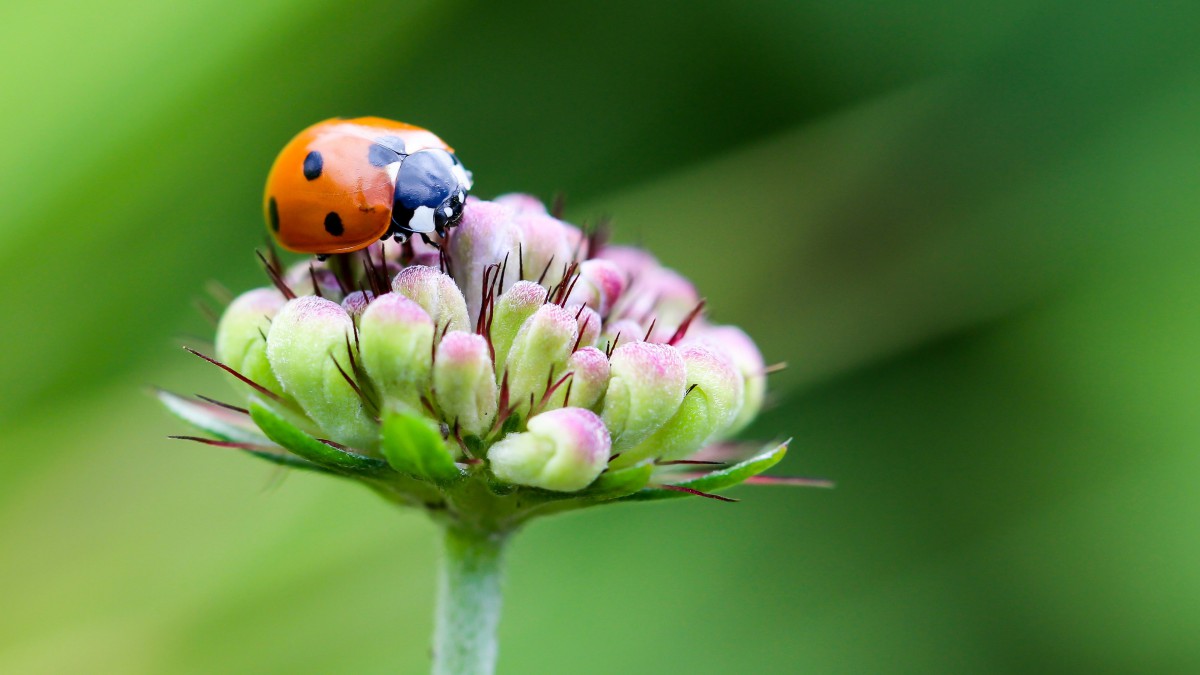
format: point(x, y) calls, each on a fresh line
point(333, 224)
point(273, 214)
point(313, 163)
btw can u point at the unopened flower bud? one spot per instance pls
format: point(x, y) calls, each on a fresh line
point(306, 346)
point(396, 343)
point(356, 303)
point(521, 203)
point(436, 294)
point(539, 353)
point(623, 332)
point(600, 285)
point(745, 356)
point(713, 400)
point(240, 342)
point(301, 277)
point(564, 450)
point(589, 324)
point(485, 236)
point(464, 382)
point(511, 310)
point(546, 246)
point(589, 379)
point(645, 389)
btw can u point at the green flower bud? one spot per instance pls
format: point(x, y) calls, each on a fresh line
point(714, 399)
point(306, 346)
point(539, 353)
point(564, 450)
point(396, 343)
point(743, 353)
point(240, 342)
point(589, 379)
point(464, 382)
point(645, 389)
point(436, 294)
point(511, 310)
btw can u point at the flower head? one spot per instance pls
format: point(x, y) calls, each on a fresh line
point(523, 367)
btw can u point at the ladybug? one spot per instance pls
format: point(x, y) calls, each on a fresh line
point(342, 184)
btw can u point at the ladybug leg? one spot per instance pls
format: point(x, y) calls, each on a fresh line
point(425, 238)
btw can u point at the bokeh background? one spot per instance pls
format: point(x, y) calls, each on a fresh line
point(970, 228)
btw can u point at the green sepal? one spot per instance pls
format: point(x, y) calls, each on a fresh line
point(717, 480)
point(413, 445)
point(282, 432)
point(619, 483)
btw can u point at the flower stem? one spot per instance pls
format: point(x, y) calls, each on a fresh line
point(468, 602)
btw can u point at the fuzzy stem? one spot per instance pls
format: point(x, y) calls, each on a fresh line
point(468, 602)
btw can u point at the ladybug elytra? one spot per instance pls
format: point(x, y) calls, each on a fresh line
point(342, 184)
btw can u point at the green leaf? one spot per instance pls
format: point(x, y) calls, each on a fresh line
point(717, 480)
point(282, 432)
point(413, 445)
point(223, 423)
point(619, 483)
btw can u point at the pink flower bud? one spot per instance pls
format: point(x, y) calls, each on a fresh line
point(510, 312)
point(436, 294)
point(713, 400)
point(521, 203)
point(564, 450)
point(464, 382)
point(743, 353)
point(485, 236)
point(645, 389)
point(589, 379)
point(599, 286)
point(539, 353)
point(356, 303)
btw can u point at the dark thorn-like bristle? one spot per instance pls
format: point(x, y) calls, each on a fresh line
point(653, 323)
point(567, 394)
point(276, 277)
point(558, 205)
point(689, 389)
point(612, 346)
point(690, 491)
point(370, 405)
point(227, 406)
point(545, 270)
point(582, 329)
point(254, 385)
point(687, 322)
point(226, 444)
point(312, 274)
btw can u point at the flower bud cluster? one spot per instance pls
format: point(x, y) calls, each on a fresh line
point(542, 357)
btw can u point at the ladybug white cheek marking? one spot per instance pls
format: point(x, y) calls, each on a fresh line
point(422, 220)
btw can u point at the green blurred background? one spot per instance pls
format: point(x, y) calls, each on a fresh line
point(969, 228)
